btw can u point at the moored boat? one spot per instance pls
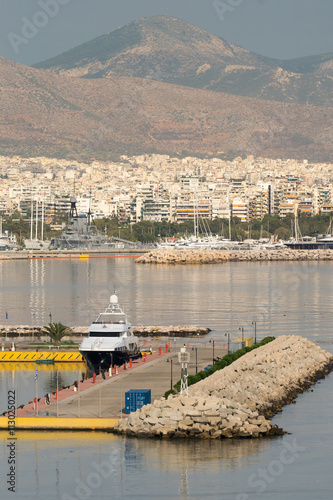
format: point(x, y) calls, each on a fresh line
point(110, 339)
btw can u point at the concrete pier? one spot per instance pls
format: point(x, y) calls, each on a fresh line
point(105, 399)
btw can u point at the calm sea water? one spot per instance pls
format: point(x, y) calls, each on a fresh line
point(281, 297)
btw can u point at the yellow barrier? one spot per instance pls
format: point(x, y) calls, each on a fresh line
point(41, 423)
point(248, 341)
point(57, 357)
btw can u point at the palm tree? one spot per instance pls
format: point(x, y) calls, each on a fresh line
point(56, 331)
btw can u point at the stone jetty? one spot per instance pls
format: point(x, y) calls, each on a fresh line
point(170, 331)
point(239, 400)
point(219, 256)
point(29, 332)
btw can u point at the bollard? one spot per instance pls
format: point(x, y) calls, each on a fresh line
point(144, 357)
point(114, 370)
point(166, 348)
point(160, 351)
point(110, 371)
point(125, 366)
point(130, 362)
point(94, 377)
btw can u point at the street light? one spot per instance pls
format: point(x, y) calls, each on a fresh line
point(213, 349)
point(50, 316)
point(242, 328)
point(196, 358)
point(227, 334)
point(255, 331)
point(170, 360)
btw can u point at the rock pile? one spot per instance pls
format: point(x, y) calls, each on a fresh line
point(35, 331)
point(204, 417)
point(140, 331)
point(218, 256)
point(167, 331)
point(238, 400)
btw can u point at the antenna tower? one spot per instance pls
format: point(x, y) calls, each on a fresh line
point(184, 359)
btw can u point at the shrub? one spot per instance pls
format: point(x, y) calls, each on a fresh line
point(167, 394)
point(222, 363)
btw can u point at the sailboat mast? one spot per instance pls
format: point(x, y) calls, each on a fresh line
point(36, 220)
point(228, 202)
point(42, 237)
point(194, 214)
point(31, 218)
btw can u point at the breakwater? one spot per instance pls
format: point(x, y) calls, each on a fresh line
point(35, 332)
point(170, 331)
point(239, 400)
point(219, 256)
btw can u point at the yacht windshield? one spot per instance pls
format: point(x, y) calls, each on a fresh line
point(115, 319)
point(105, 334)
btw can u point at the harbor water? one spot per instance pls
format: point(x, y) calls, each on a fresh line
point(281, 298)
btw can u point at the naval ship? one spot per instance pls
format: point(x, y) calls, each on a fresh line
point(80, 233)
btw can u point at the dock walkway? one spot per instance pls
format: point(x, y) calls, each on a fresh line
point(105, 399)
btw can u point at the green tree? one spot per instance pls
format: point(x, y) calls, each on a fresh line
point(282, 233)
point(56, 331)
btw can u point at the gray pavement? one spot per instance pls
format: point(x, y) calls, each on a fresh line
point(107, 398)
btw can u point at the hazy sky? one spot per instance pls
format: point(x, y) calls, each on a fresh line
point(276, 28)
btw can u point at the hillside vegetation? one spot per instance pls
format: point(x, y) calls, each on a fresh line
point(43, 114)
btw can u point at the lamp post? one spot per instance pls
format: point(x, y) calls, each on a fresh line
point(100, 391)
point(255, 331)
point(170, 361)
point(227, 334)
point(196, 358)
point(50, 316)
point(213, 349)
point(242, 328)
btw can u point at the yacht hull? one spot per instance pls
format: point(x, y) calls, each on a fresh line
point(103, 360)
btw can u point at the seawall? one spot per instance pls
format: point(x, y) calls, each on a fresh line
point(239, 400)
point(219, 256)
point(20, 332)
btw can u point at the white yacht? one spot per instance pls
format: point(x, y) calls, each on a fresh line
point(110, 339)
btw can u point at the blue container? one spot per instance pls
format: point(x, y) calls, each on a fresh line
point(136, 398)
point(208, 367)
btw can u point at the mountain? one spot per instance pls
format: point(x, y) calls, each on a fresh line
point(310, 64)
point(170, 50)
point(55, 115)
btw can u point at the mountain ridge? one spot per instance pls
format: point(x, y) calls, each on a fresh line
point(44, 114)
point(168, 49)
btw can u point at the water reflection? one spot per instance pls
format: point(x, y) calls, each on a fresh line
point(37, 297)
point(173, 455)
point(282, 297)
point(20, 377)
point(101, 463)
